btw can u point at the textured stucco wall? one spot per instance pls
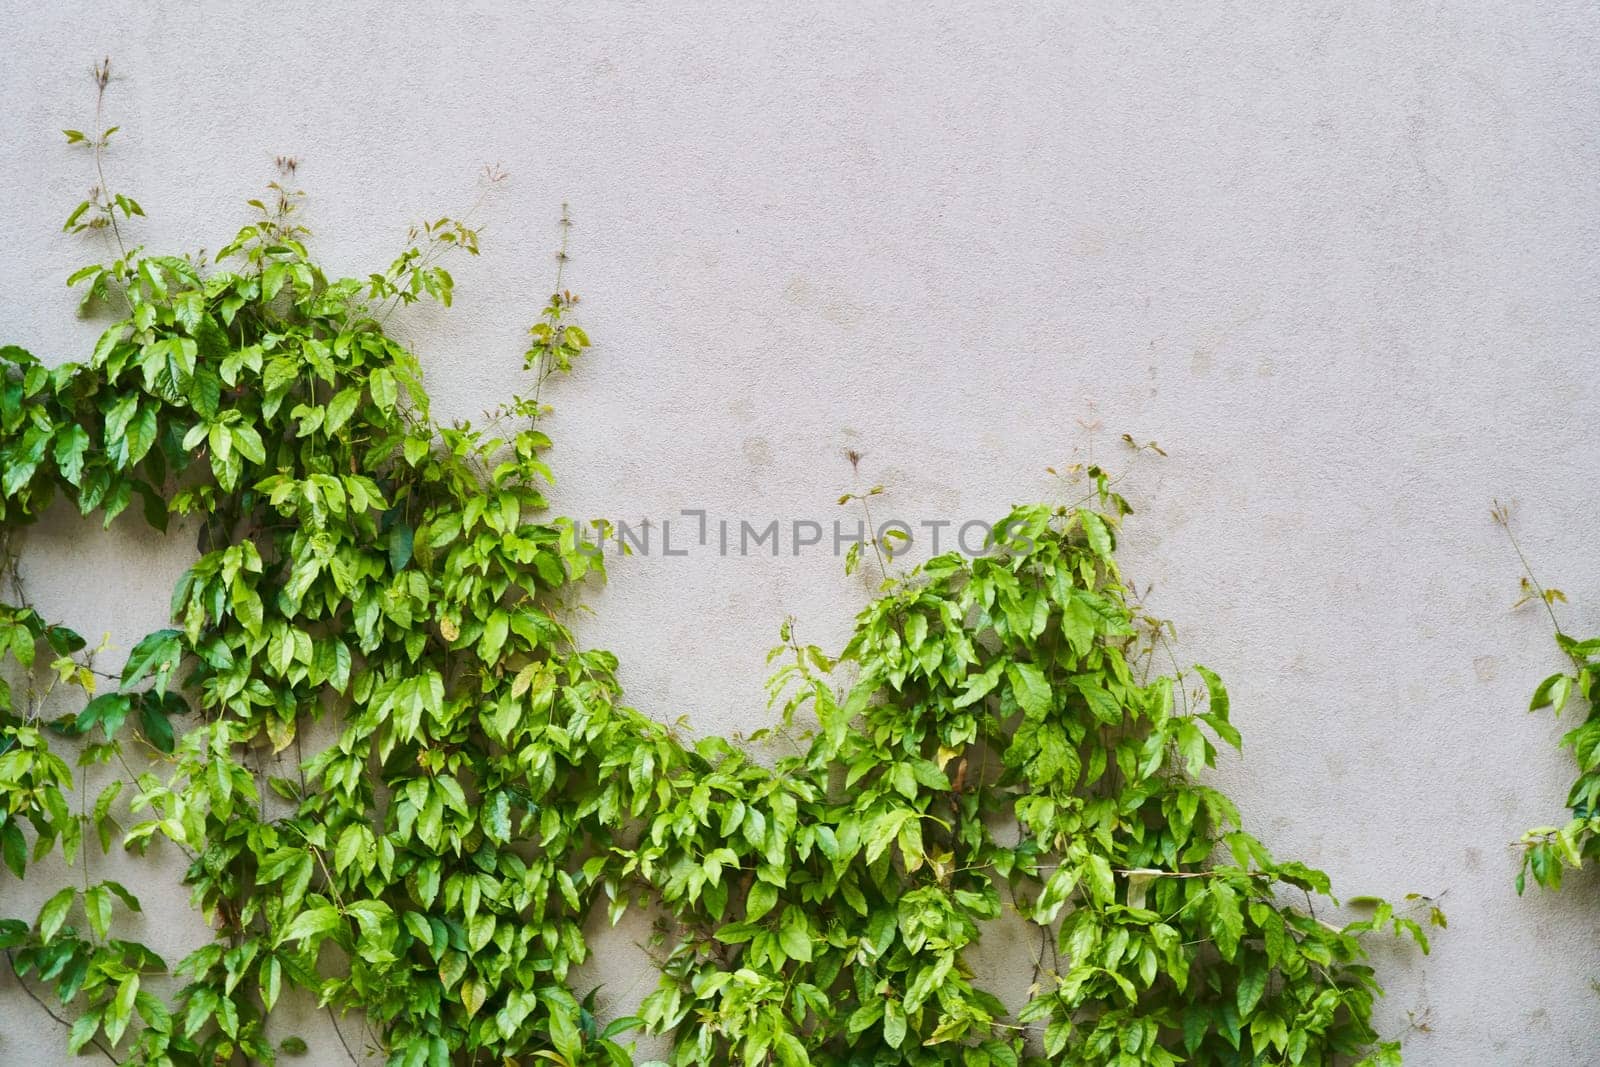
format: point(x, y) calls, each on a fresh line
point(1339, 259)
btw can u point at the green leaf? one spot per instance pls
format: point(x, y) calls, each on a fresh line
point(157, 654)
point(270, 981)
point(794, 934)
point(340, 408)
point(54, 913)
point(70, 444)
point(1192, 744)
point(1099, 537)
point(1030, 687)
point(97, 905)
point(894, 1023)
point(916, 631)
point(120, 891)
point(157, 728)
point(352, 842)
point(480, 930)
point(107, 711)
point(1226, 922)
point(1216, 693)
point(564, 1033)
point(401, 538)
point(1098, 877)
point(761, 899)
point(497, 817)
point(141, 434)
point(1552, 692)
point(494, 636)
point(311, 923)
point(473, 994)
point(978, 686)
point(83, 1030)
point(13, 847)
point(382, 387)
point(791, 1053)
point(1102, 705)
point(1252, 983)
point(248, 443)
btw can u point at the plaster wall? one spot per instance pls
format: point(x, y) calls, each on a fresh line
point(1339, 259)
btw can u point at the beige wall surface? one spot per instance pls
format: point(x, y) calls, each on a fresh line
point(1339, 259)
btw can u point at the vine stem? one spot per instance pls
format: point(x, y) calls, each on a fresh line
point(102, 75)
point(23, 985)
point(872, 535)
point(83, 822)
point(561, 253)
point(337, 1032)
point(1503, 516)
point(540, 371)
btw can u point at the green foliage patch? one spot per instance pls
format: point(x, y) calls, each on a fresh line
point(1549, 851)
point(994, 740)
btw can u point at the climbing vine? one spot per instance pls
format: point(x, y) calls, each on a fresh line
point(996, 741)
point(1548, 851)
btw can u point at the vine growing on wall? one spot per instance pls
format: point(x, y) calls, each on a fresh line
point(1549, 851)
point(996, 739)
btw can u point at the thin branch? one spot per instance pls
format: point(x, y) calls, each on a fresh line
point(1503, 517)
point(541, 369)
point(334, 1019)
point(872, 534)
point(22, 985)
point(102, 75)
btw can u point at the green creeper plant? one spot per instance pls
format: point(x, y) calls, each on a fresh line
point(1013, 690)
point(994, 739)
point(1548, 851)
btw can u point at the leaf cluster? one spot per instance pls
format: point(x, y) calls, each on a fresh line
point(1548, 851)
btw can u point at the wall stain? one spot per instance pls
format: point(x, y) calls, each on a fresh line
point(758, 451)
point(830, 305)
